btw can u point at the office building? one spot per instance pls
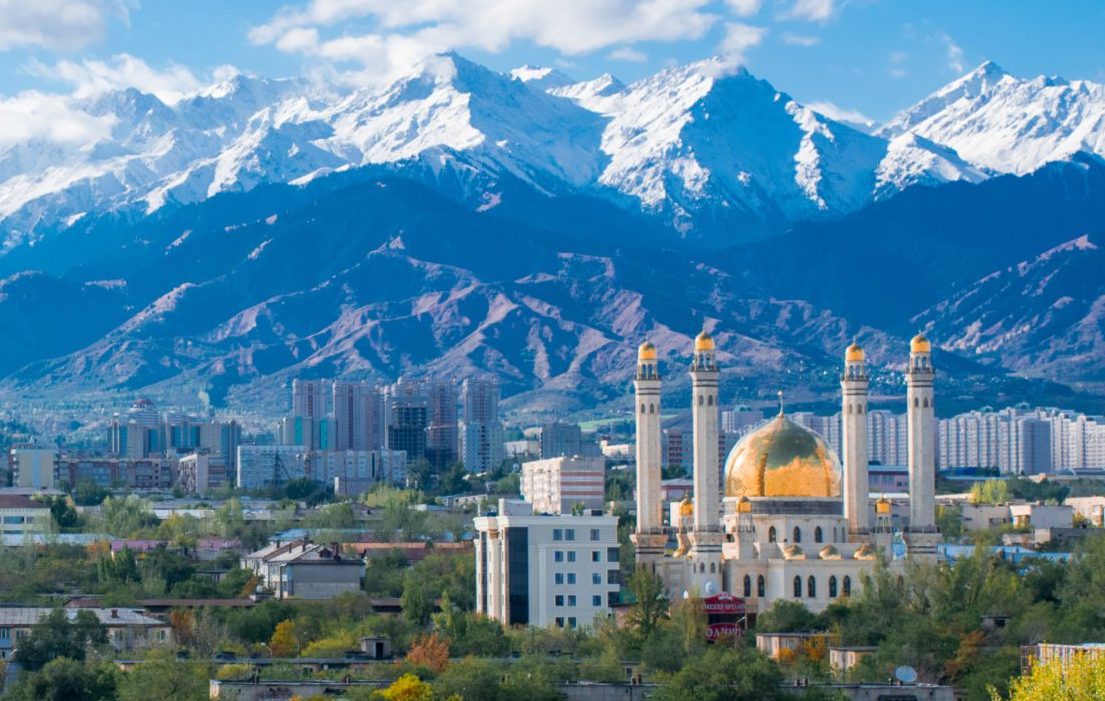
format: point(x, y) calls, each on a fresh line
point(545, 570)
point(34, 465)
point(559, 439)
point(261, 466)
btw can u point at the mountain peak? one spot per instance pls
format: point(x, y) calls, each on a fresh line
point(541, 77)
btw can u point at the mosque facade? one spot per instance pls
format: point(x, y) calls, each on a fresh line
point(783, 518)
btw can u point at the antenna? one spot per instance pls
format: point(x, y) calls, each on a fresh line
point(905, 674)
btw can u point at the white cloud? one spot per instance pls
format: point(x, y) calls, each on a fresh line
point(810, 10)
point(57, 24)
point(799, 39)
point(400, 32)
point(744, 8)
point(628, 54)
point(738, 39)
point(897, 58)
point(954, 54)
point(36, 115)
point(89, 77)
point(841, 114)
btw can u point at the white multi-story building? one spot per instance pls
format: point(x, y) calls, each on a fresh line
point(356, 471)
point(262, 465)
point(544, 570)
point(21, 516)
point(559, 485)
point(201, 472)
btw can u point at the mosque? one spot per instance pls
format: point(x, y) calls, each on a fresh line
point(793, 523)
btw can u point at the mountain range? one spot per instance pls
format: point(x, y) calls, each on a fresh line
point(461, 220)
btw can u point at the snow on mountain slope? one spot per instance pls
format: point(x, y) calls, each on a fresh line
point(1007, 124)
point(914, 160)
point(703, 136)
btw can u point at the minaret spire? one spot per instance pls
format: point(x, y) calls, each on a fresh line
point(853, 419)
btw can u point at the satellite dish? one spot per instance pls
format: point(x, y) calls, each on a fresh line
point(905, 674)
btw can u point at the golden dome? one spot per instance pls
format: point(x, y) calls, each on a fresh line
point(882, 506)
point(744, 506)
point(782, 459)
point(703, 342)
point(793, 552)
point(646, 351)
point(854, 354)
point(686, 507)
point(920, 344)
point(830, 552)
point(865, 552)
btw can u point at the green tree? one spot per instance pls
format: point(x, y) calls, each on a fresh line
point(1080, 679)
point(990, 492)
point(88, 493)
point(162, 677)
point(724, 674)
point(786, 617)
point(125, 516)
point(57, 636)
point(650, 604)
point(64, 679)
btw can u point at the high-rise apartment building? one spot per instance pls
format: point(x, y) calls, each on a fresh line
point(563, 484)
point(358, 416)
point(481, 430)
point(441, 433)
point(560, 439)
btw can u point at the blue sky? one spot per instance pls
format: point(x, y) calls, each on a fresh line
point(871, 56)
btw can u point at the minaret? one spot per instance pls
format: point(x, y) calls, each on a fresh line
point(704, 412)
point(921, 413)
point(853, 417)
point(649, 537)
point(707, 536)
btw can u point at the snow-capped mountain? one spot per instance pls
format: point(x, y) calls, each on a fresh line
point(706, 149)
point(999, 122)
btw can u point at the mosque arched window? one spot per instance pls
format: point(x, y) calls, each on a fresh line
point(811, 587)
point(760, 586)
point(797, 587)
point(710, 400)
point(847, 585)
point(642, 407)
point(817, 535)
point(925, 402)
point(652, 408)
point(747, 585)
point(832, 586)
point(916, 402)
point(797, 534)
point(712, 568)
point(771, 537)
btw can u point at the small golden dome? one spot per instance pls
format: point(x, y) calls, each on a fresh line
point(882, 506)
point(829, 552)
point(646, 351)
point(793, 552)
point(782, 459)
point(854, 354)
point(744, 505)
point(866, 552)
point(920, 344)
point(686, 507)
point(703, 342)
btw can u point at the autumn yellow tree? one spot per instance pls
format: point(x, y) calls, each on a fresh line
point(1082, 678)
point(408, 688)
point(284, 642)
point(430, 651)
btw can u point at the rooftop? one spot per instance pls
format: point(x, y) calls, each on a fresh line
point(28, 616)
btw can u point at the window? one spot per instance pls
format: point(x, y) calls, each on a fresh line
point(797, 534)
point(571, 556)
point(760, 586)
point(558, 578)
point(557, 534)
point(558, 600)
point(558, 556)
point(847, 585)
point(612, 554)
point(571, 578)
point(596, 578)
point(571, 599)
point(594, 534)
point(559, 621)
point(832, 587)
point(818, 536)
point(570, 534)
point(748, 585)
point(596, 600)
point(596, 556)
point(5, 633)
point(811, 587)
point(771, 537)
point(797, 587)
point(571, 622)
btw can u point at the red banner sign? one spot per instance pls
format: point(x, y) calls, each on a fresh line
point(724, 603)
